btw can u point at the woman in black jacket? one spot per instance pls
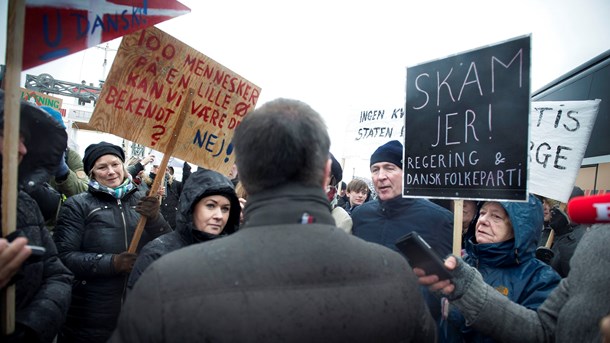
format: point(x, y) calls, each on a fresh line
point(209, 208)
point(93, 233)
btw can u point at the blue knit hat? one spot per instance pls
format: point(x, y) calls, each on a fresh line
point(55, 114)
point(389, 152)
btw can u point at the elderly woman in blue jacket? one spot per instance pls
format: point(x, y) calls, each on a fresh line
point(502, 247)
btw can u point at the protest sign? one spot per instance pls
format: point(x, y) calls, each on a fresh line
point(41, 99)
point(147, 87)
point(55, 29)
point(559, 135)
point(373, 128)
point(466, 124)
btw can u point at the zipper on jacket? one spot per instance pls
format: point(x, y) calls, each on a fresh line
point(96, 209)
point(124, 223)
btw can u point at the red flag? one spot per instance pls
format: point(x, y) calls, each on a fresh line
point(54, 29)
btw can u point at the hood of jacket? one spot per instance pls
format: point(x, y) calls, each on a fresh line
point(527, 220)
point(202, 183)
point(45, 139)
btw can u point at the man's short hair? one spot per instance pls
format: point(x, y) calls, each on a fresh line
point(357, 185)
point(282, 141)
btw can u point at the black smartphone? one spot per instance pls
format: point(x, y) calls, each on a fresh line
point(421, 255)
point(37, 253)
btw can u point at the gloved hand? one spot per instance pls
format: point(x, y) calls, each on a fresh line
point(544, 254)
point(62, 169)
point(123, 262)
point(149, 207)
point(559, 222)
point(186, 166)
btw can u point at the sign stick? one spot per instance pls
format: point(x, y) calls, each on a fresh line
point(161, 173)
point(14, 54)
point(458, 214)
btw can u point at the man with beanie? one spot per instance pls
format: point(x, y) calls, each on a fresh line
point(385, 220)
point(391, 216)
point(289, 274)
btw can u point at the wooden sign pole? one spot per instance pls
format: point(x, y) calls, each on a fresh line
point(458, 214)
point(14, 55)
point(162, 166)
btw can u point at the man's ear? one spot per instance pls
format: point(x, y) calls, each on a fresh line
point(327, 173)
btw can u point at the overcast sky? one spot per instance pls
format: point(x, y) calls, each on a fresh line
point(342, 57)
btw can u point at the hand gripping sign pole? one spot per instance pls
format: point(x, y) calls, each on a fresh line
point(162, 166)
point(16, 19)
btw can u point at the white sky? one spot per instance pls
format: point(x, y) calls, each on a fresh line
point(342, 57)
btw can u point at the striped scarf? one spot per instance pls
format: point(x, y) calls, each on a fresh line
point(118, 192)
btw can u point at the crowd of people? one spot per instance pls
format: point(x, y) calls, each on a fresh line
point(282, 249)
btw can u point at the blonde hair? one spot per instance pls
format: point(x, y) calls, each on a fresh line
point(241, 191)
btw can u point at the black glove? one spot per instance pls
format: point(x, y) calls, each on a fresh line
point(123, 262)
point(544, 254)
point(560, 223)
point(149, 207)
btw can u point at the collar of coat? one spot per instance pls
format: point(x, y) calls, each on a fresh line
point(288, 204)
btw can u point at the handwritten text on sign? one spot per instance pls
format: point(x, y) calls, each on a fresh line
point(144, 93)
point(373, 128)
point(559, 135)
point(467, 124)
point(54, 29)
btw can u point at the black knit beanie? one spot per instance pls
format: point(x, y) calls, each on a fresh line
point(336, 172)
point(389, 152)
point(95, 151)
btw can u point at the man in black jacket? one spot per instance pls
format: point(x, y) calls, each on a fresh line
point(43, 283)
point(289, 274)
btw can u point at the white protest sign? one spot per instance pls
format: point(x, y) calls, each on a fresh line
point(373, 128)
point(559, 135)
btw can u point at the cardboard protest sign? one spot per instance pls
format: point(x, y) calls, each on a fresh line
point(559, 135)
point(147, 87)
point(41, 99)
point(466, 124)
point(372, 128)
point(54, 29)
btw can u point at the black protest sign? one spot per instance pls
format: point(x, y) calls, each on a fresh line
point(467, 124)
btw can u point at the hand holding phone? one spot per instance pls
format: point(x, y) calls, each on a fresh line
point(421, 255)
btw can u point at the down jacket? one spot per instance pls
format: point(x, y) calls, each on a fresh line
point(200, 184)
point(92, 227)
point(42, 285)
point(511, 267)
